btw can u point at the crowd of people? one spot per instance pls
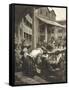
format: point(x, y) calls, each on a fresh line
point(45, 61)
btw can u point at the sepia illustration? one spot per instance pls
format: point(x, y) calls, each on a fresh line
point(40, 44)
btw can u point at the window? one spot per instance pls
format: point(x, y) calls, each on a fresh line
point(60, 31)
point(40, 11)
point(30, 37)
point(60, 38)
point(52, 30)
point(41, 38)
point(46, 13)
point(27, 37)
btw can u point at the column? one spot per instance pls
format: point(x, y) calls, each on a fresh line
point(46, 33)
point(34, 30)
point(56, 32)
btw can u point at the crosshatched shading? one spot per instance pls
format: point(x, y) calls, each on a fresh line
point(40, 45)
